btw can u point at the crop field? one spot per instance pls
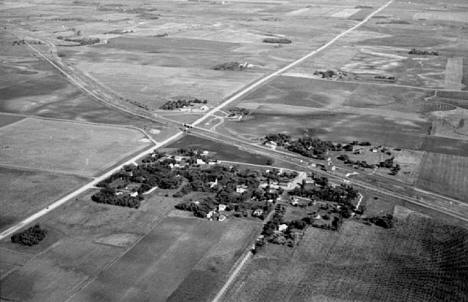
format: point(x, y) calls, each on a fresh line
point(25, 192)
point(58, 146)
point(170, 49)
point(91, 249)
point(35, 88)
point(337, 111)
point(420, 259)
point(153, 85)
point(380, 48)
point(221, 151)
point(187, 259)
point(454, 73)
point(445, 174)
point(83, 237)
point(8, 119)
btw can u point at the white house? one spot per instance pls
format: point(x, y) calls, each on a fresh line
point(200, 161)
point(134, 194)
point(222, 207)
point(214, 183)
point(282, 227)
point(241, 188)
point(257, 212)
point(271, 145)
point(210, 215)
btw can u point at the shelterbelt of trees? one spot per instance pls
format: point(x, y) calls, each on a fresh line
point(181, 103)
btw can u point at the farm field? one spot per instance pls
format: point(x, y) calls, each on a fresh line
point(86, 85)
point(58, 146)
point(380, 48)
point(83, 237)
point(221, 151)
point(445, 174)
point(169, 49)
point(91, 249)
point(420, 259)
point(186, 257)
point(6, 119)
point(34, 88)
point(337, 111)
point(24, 192)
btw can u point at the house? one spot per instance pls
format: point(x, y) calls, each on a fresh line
point(241, 188)
point(178, 158)
point(274, 185)
point(282, 227)
point(213, 162)
point(214, 183)
point(271, 145)
point(333, 168)
point(257, 212)
point(210, 215)
point(295, 202)
point(200, 162)
point(134, 194)
point(204, 108)
point(118, 193)
point(222, 207)
point(205, 152)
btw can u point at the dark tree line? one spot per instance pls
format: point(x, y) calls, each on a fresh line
point(30, 236)
point(181, 103)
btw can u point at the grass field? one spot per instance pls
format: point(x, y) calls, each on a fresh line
point(445, 174)
point(419, 259)
point(8, 119)
point(78, 148)
point(25, 192)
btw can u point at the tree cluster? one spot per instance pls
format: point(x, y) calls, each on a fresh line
point(107, 196)
point(384, 221)
point(30, 236)
point(232, 66)
point(342, 194)
point(389, 163)
point(420, 52)
point(277, 40)
point(275, 175)
point(382, 77)
point(181, 103)
point(153, 171)
point(361, 163)
point(237, 111)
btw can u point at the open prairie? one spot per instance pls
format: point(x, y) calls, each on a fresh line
point(61, 146)
point(420, 259)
